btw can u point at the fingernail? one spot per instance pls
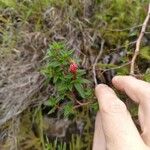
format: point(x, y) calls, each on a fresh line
point(115, 79)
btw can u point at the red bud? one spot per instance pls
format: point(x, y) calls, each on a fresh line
point(73, 68)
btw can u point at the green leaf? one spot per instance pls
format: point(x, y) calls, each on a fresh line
point(122, 71)
point(49, 54)
point(61, 87)
point(106, 66)
point(52, 102)
point(81, 80)
point(55, 78)
point(80, 72)
point(95, 106)
point(89, 92)
point(85, 81)
point(57, 46)
point(80, 89)
point(69, 76)
point(47, 72)
point(68, 109)
point(54, 64)
point(52, 110)
point(70, 86)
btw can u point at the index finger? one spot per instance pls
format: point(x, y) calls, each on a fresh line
point(137, 90)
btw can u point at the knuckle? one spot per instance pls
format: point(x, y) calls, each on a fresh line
point(100, 87)
point(114, 107)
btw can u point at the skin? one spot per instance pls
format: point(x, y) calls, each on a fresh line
point(114, 127)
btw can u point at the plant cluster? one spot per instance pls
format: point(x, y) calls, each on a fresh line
point(70, 86)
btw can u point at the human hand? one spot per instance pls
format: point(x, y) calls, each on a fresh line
point(114, 128)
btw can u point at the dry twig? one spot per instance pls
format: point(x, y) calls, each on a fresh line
point(95, 63)
point(118, 67)
point(138, 43)
point(81, 105)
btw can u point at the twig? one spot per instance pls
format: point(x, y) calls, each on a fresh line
point(118, 67)
point(81, 105)
point(95, 63)
point(129, 44)
point(138, 43)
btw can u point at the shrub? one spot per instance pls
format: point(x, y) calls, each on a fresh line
point(63, 72)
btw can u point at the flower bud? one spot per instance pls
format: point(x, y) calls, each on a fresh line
point(73, 68)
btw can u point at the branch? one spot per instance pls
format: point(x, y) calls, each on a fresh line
point(95, 63)
point(118, 67)
point(129, 44)
point(81, 104)
point(138, 43)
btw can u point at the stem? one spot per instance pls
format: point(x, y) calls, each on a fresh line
point(138, 43)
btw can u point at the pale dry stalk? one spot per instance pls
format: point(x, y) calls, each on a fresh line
point(138, 43)
point(96, 61)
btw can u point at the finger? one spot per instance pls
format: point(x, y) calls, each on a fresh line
point(118, 126)
point(99, 138)
point(139, 91)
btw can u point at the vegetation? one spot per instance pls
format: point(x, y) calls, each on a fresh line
point(51, 52)
point(69, 83)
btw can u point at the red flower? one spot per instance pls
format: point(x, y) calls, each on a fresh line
point(73, 68)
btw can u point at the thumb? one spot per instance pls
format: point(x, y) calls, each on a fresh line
point(119, 129)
